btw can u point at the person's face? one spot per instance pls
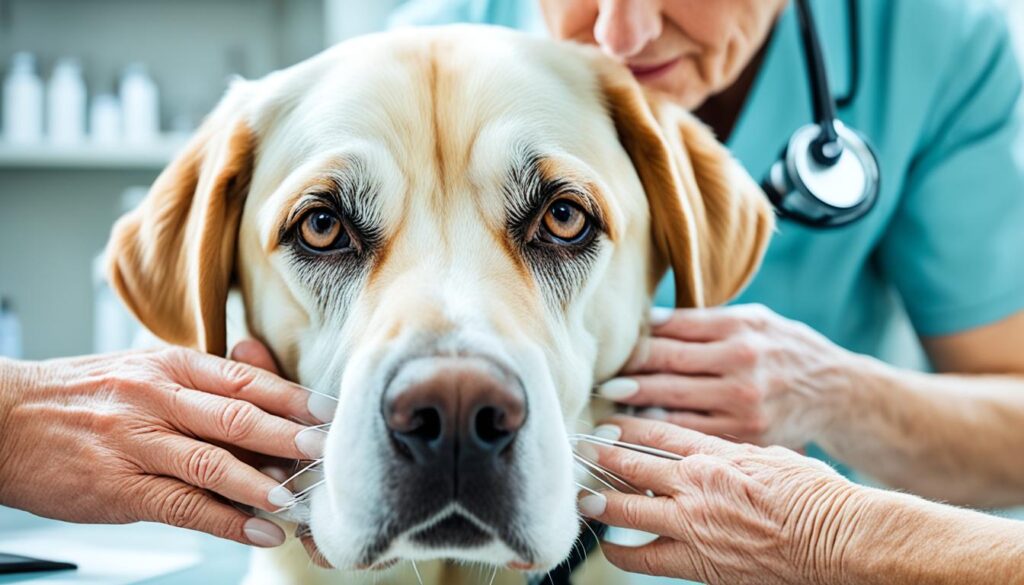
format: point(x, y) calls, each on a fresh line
point(690, 49)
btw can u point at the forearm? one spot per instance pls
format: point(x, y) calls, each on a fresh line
point(896, 538)
point(13, 379)
point(955, 438)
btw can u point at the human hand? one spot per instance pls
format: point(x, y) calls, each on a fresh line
point(740, 372)
point(726, 513)
point(151, 435)
point(256, 354)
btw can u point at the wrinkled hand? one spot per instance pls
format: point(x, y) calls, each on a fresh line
point(152, 435)
point(726, 513)
point(740, 372)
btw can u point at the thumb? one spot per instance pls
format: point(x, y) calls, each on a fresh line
point(642, 512)
point(663, 557)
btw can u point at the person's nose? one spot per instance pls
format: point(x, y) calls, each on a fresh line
point(453, 409)
point(624, 27)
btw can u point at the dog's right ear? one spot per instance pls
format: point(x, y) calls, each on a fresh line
point(709, 220)
point(171, 260)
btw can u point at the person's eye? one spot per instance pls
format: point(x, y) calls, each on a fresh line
point(564, 222)
point(321, 230)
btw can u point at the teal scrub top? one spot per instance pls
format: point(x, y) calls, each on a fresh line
point(940, 101)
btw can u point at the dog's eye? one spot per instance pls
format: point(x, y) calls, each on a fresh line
point(321, 230)
point(565, 222)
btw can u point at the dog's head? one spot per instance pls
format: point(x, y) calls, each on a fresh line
point(455, 231)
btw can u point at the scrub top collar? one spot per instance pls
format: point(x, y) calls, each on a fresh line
point(779, 100)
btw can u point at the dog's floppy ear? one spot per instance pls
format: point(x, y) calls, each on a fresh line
point(709, 220)
point(171, 260)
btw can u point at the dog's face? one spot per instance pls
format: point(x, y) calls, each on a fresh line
point(456, 232)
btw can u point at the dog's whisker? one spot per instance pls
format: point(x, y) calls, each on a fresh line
point(631, 446)
point(309, 489)
point(416, 570)
point(318, 393)
point(494, 574)
point(587, 489)
point(597, 539)
point(594, 475)
point(594, 470)
point(605, 471)
point(301, 471)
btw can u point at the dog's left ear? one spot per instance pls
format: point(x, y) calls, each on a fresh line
point(171, 260)
point(710, 221)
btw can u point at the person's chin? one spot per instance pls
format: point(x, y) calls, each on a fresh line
point(689, 95)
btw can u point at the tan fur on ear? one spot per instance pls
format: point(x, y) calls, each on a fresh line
point(171, 260)
point(710, 221)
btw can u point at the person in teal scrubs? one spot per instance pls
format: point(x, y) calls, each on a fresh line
point(805, 353)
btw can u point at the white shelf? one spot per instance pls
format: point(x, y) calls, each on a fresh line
point(90, 156)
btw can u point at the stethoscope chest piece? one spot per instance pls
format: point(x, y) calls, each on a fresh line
point(824, 195)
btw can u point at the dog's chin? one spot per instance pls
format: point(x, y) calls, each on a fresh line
point(451, 535)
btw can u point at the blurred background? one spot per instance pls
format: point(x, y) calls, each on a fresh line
point(131, 79)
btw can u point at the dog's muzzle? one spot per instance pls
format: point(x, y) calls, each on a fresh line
point(452, 424)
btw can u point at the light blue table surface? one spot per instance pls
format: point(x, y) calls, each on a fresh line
point(220, 562)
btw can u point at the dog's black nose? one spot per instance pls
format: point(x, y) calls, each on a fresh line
point(464, 410)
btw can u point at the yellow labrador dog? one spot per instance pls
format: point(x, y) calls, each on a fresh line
point(456, 232)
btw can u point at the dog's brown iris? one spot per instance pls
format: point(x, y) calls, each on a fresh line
point(320, 229)
point(565, 221)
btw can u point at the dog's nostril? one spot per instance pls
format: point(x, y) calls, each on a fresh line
point(489, 425)
point(426, 425)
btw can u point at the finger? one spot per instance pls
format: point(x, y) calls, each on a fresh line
point(711, 324)
point(241, 424)
point(717, 424)
point(673, 391)
point(640, 512)
point(639, 469)
point(660, 354)
point(663, 557)
point(211, 468)
point(666, 436)
point(172, 502)
point(254, 353)
point(244, 382)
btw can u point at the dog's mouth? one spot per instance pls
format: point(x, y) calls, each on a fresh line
point(453, 530)
point(453, 534)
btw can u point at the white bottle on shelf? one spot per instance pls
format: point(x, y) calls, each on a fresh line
point(66, 103)
point(105, 119)
point(10, 331)
point(140, 106)
point(23, 101)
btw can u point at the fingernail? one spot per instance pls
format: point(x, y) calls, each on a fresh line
point(263, 532)
point(321, 407)
point(618, 388)
point(610, 432)
point(592, 505)
point(652, 413)
point(311, 442)
point(274, 472)
point(280, 497)
point(660, 315)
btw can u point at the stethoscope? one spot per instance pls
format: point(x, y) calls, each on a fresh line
point(827, 175)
